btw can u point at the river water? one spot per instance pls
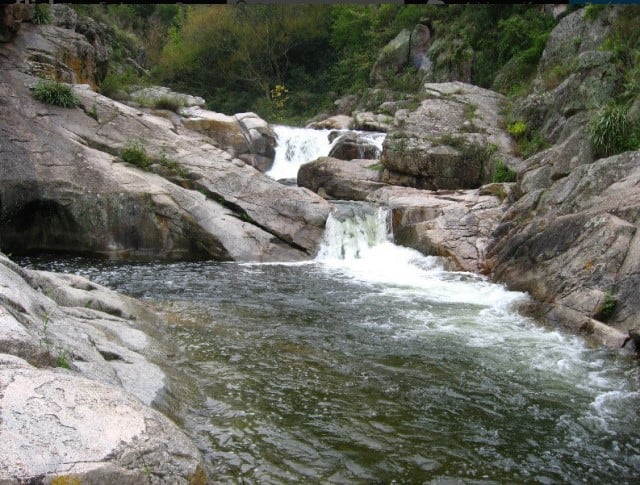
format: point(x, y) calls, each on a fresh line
point(372, 364)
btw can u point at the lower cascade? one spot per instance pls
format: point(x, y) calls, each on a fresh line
point(373, 363)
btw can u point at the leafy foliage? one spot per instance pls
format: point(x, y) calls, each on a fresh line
point(55, 93)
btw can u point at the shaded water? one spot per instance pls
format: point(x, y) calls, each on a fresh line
point(372, 364)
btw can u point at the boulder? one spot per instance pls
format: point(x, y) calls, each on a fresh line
point(159, 95)
point(339, 179)
point(64, 185)
point(451, 140)
point(457, 225)
point(352, 145)
point(76, 379)
point(337, 122)
point(572, 242)
point(369, 121)
point(392, 59)
point(240, 134)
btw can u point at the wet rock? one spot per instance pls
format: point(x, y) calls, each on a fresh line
point(573, 240)
point(456, 224)
point(352, 145)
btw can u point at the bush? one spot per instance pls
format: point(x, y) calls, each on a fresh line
point(135, 154)
point(610, 131)
point(168, 103)
point(503, 173)
point(41, 14)
point(517, 129)
point(55, 93)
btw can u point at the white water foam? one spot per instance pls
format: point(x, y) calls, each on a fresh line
point(297, 146)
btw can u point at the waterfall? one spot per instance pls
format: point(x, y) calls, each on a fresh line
point(297, 146)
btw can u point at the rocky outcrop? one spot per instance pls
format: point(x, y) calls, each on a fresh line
point(64, 185)
point(244, 135)
point(11, 18)
point(452, 140)
point(574, 76)
point(393, 58)
point(456, 224)
point(76, 380)
point(573, 243)
point(161, 95)
point(339, 179)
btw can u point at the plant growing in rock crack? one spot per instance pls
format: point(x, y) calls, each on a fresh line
point(135, 154)
point(41, 14)
point(607, 308)
point(55, 93)
point(502, 173)
point(61, 355)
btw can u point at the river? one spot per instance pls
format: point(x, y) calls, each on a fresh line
point(373, 364)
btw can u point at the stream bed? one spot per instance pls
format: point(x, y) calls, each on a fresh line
point(372, 364)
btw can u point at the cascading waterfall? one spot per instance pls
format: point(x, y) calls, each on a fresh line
point(301, 145)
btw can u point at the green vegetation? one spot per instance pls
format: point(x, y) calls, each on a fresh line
point(608, 307)
point(135, 154)
point(291, 62)
point(41, 14)
point(517, 129)
point(55, 93)
point(502, 173)
point(611, 132)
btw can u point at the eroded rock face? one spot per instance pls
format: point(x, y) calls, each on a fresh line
point(340, 179)
point(456, 224)
point(450, 141)
point(64, 185)
point(571, 242)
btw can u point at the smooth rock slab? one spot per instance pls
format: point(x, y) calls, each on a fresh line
point(53, 423)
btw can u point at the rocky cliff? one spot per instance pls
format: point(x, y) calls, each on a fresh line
point(65, 184)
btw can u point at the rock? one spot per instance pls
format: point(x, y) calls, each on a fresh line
point(450, 59)
point(419, 46)
point(457, 224)
point(58, 426)
point(11, 18)
point(63, 16)
point(450, 141)
point(574, 77)
point(206, 203)
point(392, 59)
point(337, 122)
point(154, 95)
point(76, 380)
point(352, 145)
point(338, 179)
point(368, 121)
point(241, 134)
point(572, 240)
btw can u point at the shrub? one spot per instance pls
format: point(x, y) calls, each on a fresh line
point(55, 93)
point(610, 131)
point(135, 154)
point(503, 173)
point(168, 103)
point(608, 307)
point(41, 14)
point(517, 129)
